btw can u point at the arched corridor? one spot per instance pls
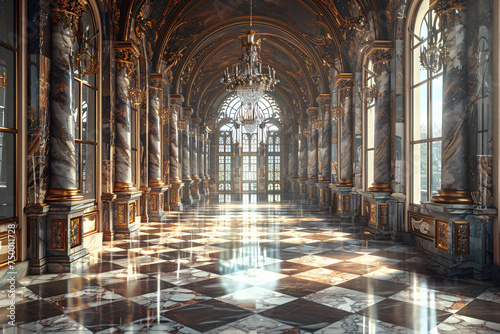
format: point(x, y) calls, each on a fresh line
point(286, 166)
point(232, 268)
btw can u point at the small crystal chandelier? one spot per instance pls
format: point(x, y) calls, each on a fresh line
point(248, 80)
point(85, 63)
point(432, 51)
point(337, 112)
point(136, 96)
point(249, 116)
point(319, 124)
point(368, 93)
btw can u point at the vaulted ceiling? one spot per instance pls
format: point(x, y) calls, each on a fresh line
point(195, 40)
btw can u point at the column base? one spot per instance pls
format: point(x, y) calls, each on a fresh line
point(126, 223)
point(380, 187)
point(125, 187)
point(187, 199)
point(68, 264)
point(156, 209)
point(63, 195)
point(195, 192)
point(453, 196)
point(175, 196)
point(345, 183)
point(323, 195)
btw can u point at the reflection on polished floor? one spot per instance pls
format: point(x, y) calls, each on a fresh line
point(261, 268)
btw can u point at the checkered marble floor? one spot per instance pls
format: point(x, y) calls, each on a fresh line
point(265, 268)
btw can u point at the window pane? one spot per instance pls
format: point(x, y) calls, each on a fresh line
point(437, 107)
point(419, 172)
point(436, 167)
point(88, 114)
point(7, 94)
point(76, 108)
point(370, 128)
point(8, 15)
point(7, 175)
point(89, 168)
point(370, 167)
point(420, 112)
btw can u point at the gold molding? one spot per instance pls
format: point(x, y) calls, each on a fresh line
point(345, 81)
point(63, 195)
point(344, 183)
point(453, 196)
point(380, 187)
point(124, 186)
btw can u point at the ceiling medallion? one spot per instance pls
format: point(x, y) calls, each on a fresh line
point(248, 80)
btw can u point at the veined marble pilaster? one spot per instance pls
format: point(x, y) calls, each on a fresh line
point(156, 85)
point(324, 102)
point(126, 54)
point(380, 53)
point(303, 151)
point(186, 157)
point(195, 175)
point(358, 133)
point(455, 171)
point(175, 106)
point(345, 84)
point(62, 183)
point(312, 156)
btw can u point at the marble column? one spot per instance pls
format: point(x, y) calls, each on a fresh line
point(201, 159)
point(455, 171)
point(312, 156)
point(324, 178)
point(380, 52)
point(126, 54)
point(324, 102)
point(186, 157)
point(345, 85)
point(176, 182)
point(155, 180)
point(62, 154)
point(302, 158)
point(195, 174)
point(208, 162)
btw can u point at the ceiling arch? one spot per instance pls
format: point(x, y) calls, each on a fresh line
point(304, 40)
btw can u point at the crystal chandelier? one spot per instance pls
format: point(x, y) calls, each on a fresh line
point(368, 93)
point(432, 51)
point(337, 112)
point(249, 116)
point(248, 80)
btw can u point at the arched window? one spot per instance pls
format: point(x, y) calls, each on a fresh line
point(267, 106)
point(224, 157)
point(426, 109)
point(369, 144)
point(85, 108)
point(8, 116)
point(273, 164)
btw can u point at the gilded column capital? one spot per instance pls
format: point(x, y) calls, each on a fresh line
point(323, 99)
point(344, 81)
point(68, 12)
point(380, 53)
point(312, 112)
point(126, 54)
point(157, 83)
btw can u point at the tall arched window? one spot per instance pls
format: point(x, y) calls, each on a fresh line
point(273, 164)
point(85, 109)
point(224, 165)
point(426, 109)
point(8, 117)
point(369, 140)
